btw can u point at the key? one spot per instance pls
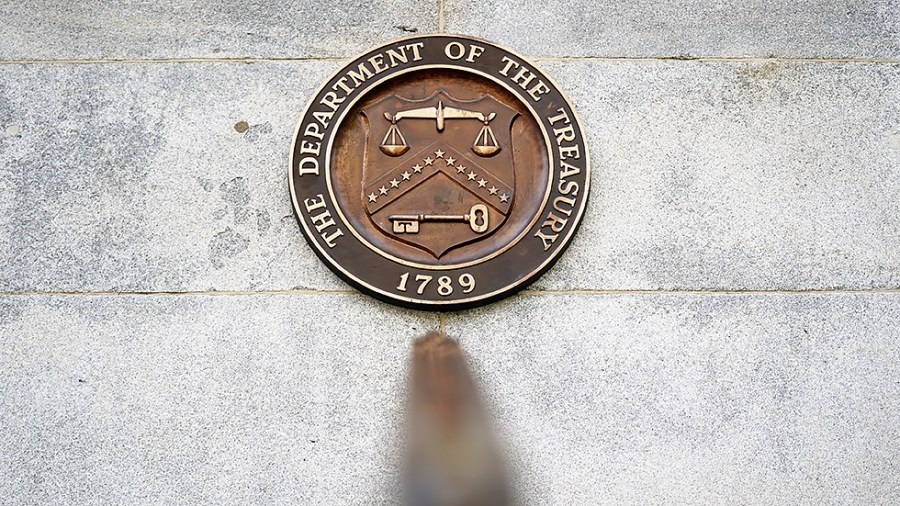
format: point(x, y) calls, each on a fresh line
point(477, 218)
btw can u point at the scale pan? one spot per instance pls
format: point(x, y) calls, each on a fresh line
point(486, 151)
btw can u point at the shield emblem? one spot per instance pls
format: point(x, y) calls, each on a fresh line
point(438, 172)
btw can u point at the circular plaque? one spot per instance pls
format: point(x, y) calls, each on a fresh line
point(439, 172)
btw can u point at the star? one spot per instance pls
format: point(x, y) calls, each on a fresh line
point(394, 183)
point(373, 197)
point(504, 197)
point(417, 168)
point(492, 190)
point(439, 153)
point(472, 176)
point(383, 190)
point(460, 169)
point(405, 176)
point(429, 161)
point(450, 160)
point(482, 183)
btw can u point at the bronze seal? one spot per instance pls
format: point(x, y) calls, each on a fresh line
point(439, 172)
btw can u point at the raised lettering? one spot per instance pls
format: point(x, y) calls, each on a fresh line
point(570, 188)
point(474, 52)
point(331, 100)
point(310, 148)
point(312, 130)
point(509, 64)
point(329, 238)
point(322, 220)
point(565, 134)
point(555, 223)
point(546, 239)
point(313, 204)
point(309, 165)
point(539, 89)
point(377, 62)
point(454, 50)
point(565, 200)
point(562, 116)
point(415, 49)
point(569, 152)
point(523, 77)
point(361, 76)
point(340, 84)
point(397, 57)
point(323, 117)
point(568, 170)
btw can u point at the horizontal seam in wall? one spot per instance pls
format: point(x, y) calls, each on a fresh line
point(524, 292)
point(536, 58)
point(718, 59)
point(106, 61)
point(711, 292)
point(223, 293)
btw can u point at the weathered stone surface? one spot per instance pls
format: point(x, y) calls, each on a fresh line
point(736, 176)
point(202, 399)
point(706, 176)
point(49, 30)
point(694, 399)
point(135, 177)
point(603, 399)
point(755, 28)
point(84, 30)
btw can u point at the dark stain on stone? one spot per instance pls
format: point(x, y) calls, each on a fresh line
point(206, 184)
point(10, 312)
point(407, 29)
point(241, 127)
point(235, 192)
point(760, 85)
point(242, 215)
point(217, 50)
point(224, 245)
point(680, 57)
point(262, 221)
point(257, 131)
point(760, 72)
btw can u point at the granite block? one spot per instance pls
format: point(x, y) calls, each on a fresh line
point(706, 176)
point(133, 29)
point(693, 399)
point(152, 177)
point(598, 399)
point(684, 28)
point(736, 176)
point(193, 399)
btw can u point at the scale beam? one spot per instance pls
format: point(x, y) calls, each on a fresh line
point(440, 114)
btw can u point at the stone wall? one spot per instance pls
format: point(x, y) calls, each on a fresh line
point(725, 329)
